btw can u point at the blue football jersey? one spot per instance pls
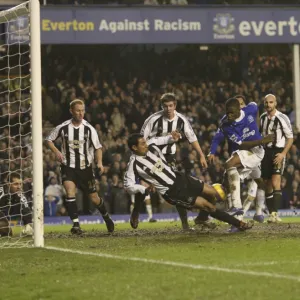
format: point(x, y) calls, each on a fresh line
point(242, 129)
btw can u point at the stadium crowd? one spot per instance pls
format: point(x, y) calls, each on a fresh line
point(120, 94)
point(118, 102)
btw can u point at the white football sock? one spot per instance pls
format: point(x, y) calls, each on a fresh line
point(260, 201)
point(252, 191)
point(132, 197)
point(235, 188)
point(131, 207)
point(229, 201)
point(247, 204)
point(149, 211)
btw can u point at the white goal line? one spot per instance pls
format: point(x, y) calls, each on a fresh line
point(179, 264)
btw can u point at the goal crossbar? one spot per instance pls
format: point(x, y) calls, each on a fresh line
point(11, 14)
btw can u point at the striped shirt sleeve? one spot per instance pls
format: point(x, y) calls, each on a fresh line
point(161, 140)
point(54, 134)
point(147, 127)
point(95, 138)
point(130, 180)
point(188, 130)
point(287, 127)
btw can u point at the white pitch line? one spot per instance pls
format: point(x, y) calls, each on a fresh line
point(267, 263)
point(178, 264)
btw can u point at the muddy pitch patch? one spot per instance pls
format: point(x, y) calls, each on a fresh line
point(258, 231)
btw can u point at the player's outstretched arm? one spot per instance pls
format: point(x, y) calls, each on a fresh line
point(250, 144)
point(130, 177)
point(217, 140)
point(163, 140)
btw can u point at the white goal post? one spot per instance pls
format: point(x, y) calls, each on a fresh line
point(21, 41)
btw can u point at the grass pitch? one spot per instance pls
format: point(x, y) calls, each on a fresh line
point(157, 261)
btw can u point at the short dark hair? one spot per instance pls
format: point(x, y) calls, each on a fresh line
point(232, 102)
point(243, 97)
point(133, 139)
point(168, 97)
point(11, 176)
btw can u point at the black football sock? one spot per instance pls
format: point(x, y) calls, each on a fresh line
point(72, 211)
point(225, 217)
point(270, 202)
point(102, 209)
point(203, 215)
point(277, 195)
point(138, 200)
point(182, 214)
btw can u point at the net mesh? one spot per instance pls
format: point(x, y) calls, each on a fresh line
point(15, 128)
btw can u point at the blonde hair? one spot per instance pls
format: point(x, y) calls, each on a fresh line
point(75, 102)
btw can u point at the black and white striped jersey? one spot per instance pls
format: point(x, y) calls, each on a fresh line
point(78, 143)
point(152, 168)
point(158, 125)
point(280, 125)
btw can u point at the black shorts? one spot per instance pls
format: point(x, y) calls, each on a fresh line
point(268, 168)
point(83, 179)
point(184, 191)
point(170, 158)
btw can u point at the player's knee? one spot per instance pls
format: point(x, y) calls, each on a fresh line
point(204, 204)
point(70, 193)
point(210, 207)
point(209, 193)
point(276, 182)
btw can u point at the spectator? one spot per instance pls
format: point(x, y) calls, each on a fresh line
point(54, 194)
point(151, 2)
point(178, 2)
point(120, 94)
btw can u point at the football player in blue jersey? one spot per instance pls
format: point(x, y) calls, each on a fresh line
point(240, 127)
point(255, 185)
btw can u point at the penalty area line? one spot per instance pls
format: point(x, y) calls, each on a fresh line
point(178, 264)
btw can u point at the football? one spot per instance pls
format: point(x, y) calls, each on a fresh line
point(221, 194)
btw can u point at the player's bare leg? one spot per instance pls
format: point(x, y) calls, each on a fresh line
point(204, 204)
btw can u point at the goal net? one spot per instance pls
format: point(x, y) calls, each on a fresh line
point(18, 142)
